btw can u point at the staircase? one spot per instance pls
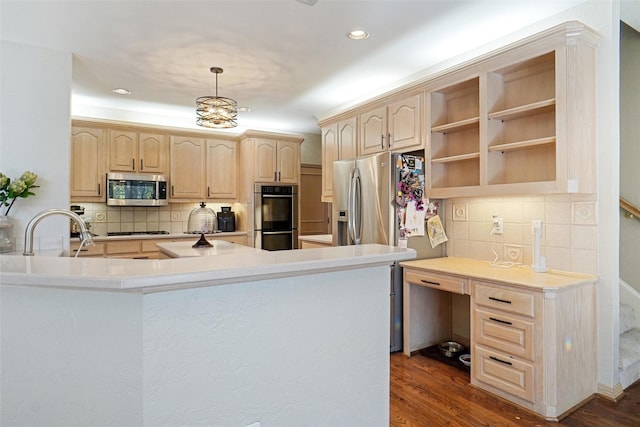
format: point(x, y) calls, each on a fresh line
point(629, 336)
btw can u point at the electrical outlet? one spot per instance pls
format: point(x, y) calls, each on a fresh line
point(498, 225)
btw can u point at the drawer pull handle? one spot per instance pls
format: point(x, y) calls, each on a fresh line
point(501, 361)
point(500, 321)
point(430, 283)
point(500, 300)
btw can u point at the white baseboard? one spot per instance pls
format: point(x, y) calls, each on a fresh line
point(612, 393)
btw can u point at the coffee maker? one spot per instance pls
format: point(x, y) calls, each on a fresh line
point(226, 220)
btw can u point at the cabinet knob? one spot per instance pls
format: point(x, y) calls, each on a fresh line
point(133, 164)
point(389, 139)
point(382, 142)
point(141, 165)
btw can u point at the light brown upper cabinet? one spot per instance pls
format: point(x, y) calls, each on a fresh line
point(338, 143)
point(454, 113)
point(131, 151)
point(392, 127)
point(522, 122)
point(222, 170)
point(187, 168)
point(87, 164)
point(276, 161)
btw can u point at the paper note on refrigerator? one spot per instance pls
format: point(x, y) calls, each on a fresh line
point(414, 220)
point(435, 230)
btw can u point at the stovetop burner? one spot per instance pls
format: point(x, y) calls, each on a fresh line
point(131, 233)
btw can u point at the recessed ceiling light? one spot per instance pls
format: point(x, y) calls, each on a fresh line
point(244, 109)
point(358, 35)
point(122, 91)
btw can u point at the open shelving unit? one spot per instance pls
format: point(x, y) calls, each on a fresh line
point(522, 121)
point(517, 121)
point(455, 134)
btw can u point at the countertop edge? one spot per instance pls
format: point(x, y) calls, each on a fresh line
point(114, 275)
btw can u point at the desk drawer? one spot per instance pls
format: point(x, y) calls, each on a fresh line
point(503, 372)
point(505, 333)
point(443, 282)
point(515, 301)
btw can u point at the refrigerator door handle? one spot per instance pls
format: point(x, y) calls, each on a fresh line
point(357, 207)
point(350, 209)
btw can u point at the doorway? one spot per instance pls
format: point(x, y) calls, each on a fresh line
point(315, 215)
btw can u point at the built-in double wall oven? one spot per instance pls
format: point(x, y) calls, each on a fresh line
point(276, 217)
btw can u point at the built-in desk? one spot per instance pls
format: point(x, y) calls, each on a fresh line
point(532, 335)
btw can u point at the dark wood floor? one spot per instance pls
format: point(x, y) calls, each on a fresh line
point(425, 392)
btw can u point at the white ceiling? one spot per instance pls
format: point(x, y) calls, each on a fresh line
point(289, 62)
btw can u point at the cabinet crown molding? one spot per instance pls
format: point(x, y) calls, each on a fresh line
point(571, 31)
point(271, 135)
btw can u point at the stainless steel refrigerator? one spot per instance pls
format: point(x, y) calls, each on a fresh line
point(364, 211)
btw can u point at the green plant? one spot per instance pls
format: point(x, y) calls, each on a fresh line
point(11, 190)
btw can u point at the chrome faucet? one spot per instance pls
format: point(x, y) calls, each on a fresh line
point(85, 236)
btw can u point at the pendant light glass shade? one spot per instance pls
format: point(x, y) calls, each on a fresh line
point(216, 111)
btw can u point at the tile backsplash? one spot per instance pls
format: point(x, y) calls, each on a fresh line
point(569, 225)
point(173, 218)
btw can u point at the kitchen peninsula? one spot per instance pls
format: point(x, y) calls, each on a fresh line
point(283, 338)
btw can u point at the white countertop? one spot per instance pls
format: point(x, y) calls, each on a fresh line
point(318, 238)
point(144, 276)
point(218, 247)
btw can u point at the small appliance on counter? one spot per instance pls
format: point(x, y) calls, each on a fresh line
point(226, 220)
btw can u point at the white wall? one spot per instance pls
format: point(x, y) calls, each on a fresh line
point(310, 350)
point(34, 133)
point(299, 351)
point(311, 150)
point(70, 358)
point(630, 153)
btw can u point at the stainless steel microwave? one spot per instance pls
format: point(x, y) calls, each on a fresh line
point(136, 189)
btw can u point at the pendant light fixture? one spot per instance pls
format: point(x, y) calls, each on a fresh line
point(216, 111)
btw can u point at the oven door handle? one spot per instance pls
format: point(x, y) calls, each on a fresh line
point(275, 196)
point(277, 232)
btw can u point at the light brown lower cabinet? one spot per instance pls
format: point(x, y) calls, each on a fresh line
point(535, 347)
point(533, 335)
point(140, 248)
